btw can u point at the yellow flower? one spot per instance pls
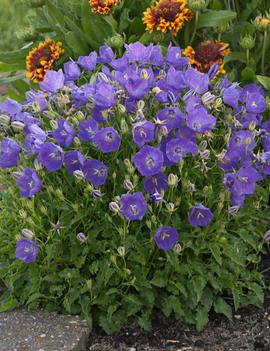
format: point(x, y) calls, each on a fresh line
point(102, 6)
point(42, 58)
point(167, 15)
point(207, 54)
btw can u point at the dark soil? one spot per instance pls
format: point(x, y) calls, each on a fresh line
point(249, 330)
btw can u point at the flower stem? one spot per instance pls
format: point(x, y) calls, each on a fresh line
point(195, 26)
point(173, 39)
point(264, 49)
point(247, 56)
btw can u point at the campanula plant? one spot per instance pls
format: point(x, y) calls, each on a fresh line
point(134, 183)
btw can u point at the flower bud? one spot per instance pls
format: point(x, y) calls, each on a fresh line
point(28, 233)
point(266, 237)
point(203, 145)
point(96, 194)
point(252, 126)
point(4, 120)
point(43, 210)
point(121, 251)
point(116, 41)
point(262, 23)
point(144, 75)
point(22, 213)
point(77, 141)
point(190, 187)
point(128, 185)
point(124, 126)
point(197, 5)
point(233, 209)
point(172, 180)
point(78, 174)
point(163, 131)
point(205, 154)
point(156, 90)
point(140, 105)
point(59, 194)
point(17, 125)
point(122, 108)
point(54, 124)
point(26, 34)
point(177, 248)
point(247, 42)
point(114, 207)
point(38, 166)
point(170, 207)
point(82, 238)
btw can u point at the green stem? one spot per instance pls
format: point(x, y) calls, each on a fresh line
point(195, 26)
point(247, 56)
point(173, 39)
point(264, 50)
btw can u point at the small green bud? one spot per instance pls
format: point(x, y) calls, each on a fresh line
point(28, 233)
point(26, 34)
point(262, 23)
point(172, 180)
point(177, 248)
point(116, 42)
point(121, 251)
point(247, 42)
point(22, 213)
point(124, 126)
point(197, 5)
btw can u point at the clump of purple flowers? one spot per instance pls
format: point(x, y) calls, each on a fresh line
point(143, 116)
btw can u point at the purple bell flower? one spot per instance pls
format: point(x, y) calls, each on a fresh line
point(88, 62)
point(106, 54)
point(177, 149)
point(166, 237)
point(51, 156)
point(264, 163)
point(245, 181)
point(72, 71)
point(26, 250)
point(201, 121)
point(143, 132)
point(242, 142)
point(29, 183)
point(64, 134)
point(34, 139)
point(174, 58)
point(87, 129)
point(133, 206)
point(53, 81)
point(171, 117)
point(255, 103)
point(156, 183)
point(95, 172)
point(10, 107)
point(74, 161)
point(137, 52)
point(149, 160)
point(200, 216)
point(197, 81)
point(107, 140)
point(9, 153)
point(104, 95)
point(231, 95)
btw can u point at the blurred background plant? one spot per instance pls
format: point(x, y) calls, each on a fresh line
point(236, 32)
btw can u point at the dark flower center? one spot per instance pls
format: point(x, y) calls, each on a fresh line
point(178, 150)
point(110, 137)
point(242, 179)
point(168, 9)
point(199, 215)
point(208, 52)
point(164, 235)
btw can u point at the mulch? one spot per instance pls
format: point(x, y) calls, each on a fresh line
point(249, 330)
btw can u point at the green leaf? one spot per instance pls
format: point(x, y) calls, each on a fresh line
point(201, 318)
point(215, 18)
point(6, 67)
point(159, 279)
point(198, 284)
point(215, 249)
point(13, 57)
point(11, 79)
point(264, 81)
point(221, 306)
point(9, 305)
point(55, 14)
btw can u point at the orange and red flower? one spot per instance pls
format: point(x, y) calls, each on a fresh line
point(102, 6)
point(42, 58)
point(167, 15)
point(207, 54)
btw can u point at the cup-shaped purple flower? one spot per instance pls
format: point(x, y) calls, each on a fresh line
point(107, 140)
point(104, 95)
point(156, 183)
point(34, 139)
point(255, 103)
point(143, 132)
point(74, 161)
point(243, 142)
point(197, 81)
point(87, 129)
point(51, 156)
point(72, 71)
point(88, 62)
point(200, 216)
point(95, 172)
point(64, 134)
point(29, 183)
point(133, 206)
point(171, 117)
point(166, 237)
point(149, 160)
point(26, 250)
point(9, 153)
point(53, 81)
point(177, 149)
point(200, 120)
point(245, 180)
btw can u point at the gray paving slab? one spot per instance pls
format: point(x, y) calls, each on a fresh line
point(22, 330)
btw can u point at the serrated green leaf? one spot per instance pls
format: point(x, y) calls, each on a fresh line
point(8, 305)
point(201, 318)
point(264, 81)
point(221, 306)
point(215, 18)
point(159, 279)
point(215, 249)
